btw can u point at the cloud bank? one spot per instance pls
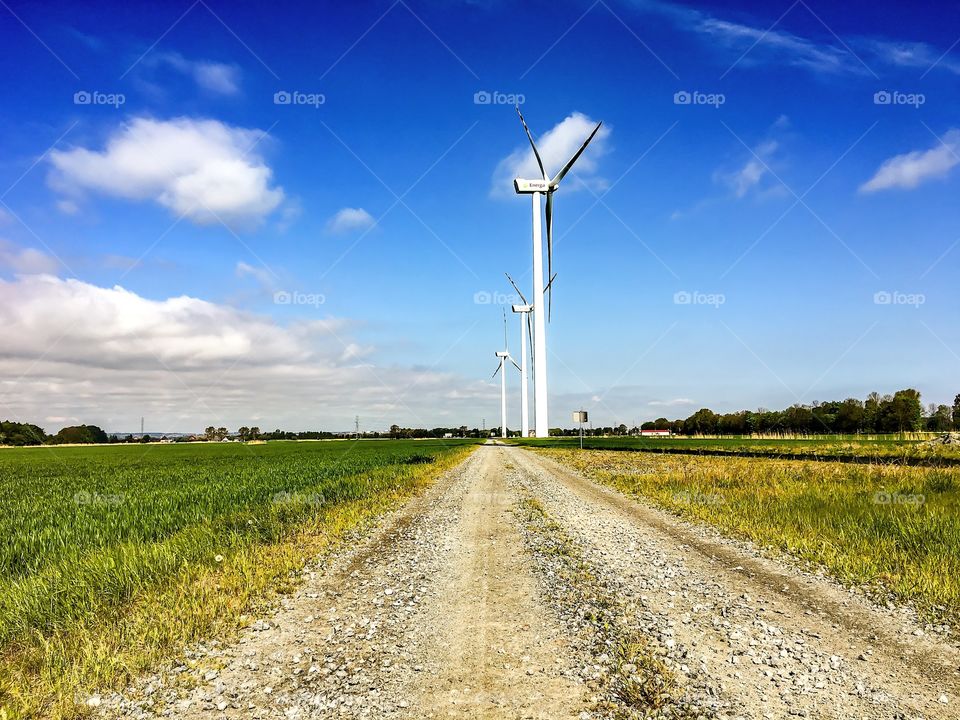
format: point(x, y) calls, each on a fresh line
point(108, 355)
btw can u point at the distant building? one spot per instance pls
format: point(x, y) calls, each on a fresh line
point(655, 433)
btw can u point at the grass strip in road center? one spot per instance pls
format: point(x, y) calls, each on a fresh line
point(635, 681)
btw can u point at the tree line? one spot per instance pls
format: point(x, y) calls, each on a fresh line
point(900, 412)
point(16, 433)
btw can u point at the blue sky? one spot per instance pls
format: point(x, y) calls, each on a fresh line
point(787, 236)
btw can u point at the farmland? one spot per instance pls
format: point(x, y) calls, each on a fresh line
point(856, 448)
point(167, 544)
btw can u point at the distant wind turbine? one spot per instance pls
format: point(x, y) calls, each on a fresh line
point(536, 188)
point(526, 330)
point(504, 355)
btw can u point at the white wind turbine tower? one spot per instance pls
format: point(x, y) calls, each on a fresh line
point(526, 330)
point(503, 356)
point(537, 188)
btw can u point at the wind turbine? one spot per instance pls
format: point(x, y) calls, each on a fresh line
point(524, 311)
point(536, 188)
point(503, 356)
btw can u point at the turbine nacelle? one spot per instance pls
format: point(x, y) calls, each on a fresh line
point(522, 308)
point(528, 187)
point(503, 354)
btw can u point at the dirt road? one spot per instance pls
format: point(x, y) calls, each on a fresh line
point(514, 588)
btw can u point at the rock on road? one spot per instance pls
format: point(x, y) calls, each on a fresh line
point(510, 588)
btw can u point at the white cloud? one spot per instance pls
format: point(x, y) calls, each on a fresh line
point(108, 355)
point(794, 49)
point(910, 55)
point(203, 169)
point(289, 214)
point(120, 262)
point(556, 146)
point(67, 207)
point(749, 175)
point(264, 277)
point(26, 261)
point(909, 170)
point(214, 77)
point(675, 402)
point(350, 220)
point(755, 43)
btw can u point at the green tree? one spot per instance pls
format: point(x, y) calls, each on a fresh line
point(956, 412)
point(80, 434)
point(798, 419)
point(244, 433)
point(210, 433)
point(941, 420)
point(871, 413)
point(254, 432)
point(702, 422)
point(850, 416)
point(14, 433)
point(901, 413)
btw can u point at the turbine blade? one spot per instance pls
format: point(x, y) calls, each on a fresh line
point(566, 168)
point(549, 213)
point(515, 363)
point(516, 288)
point(536, 152)
point(549, 290)
point(530, 339)
point(496, 371)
